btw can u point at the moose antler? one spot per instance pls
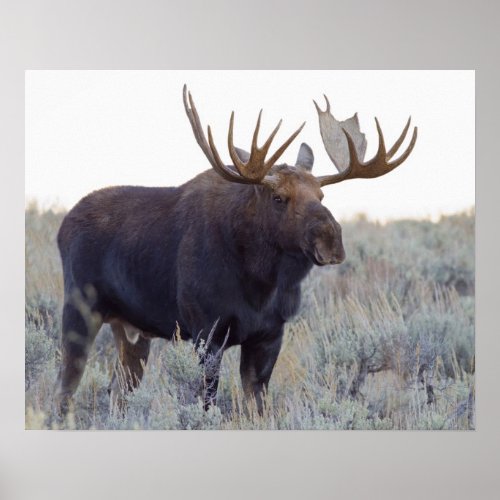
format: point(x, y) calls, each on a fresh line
point(346, 146)
point(254, 171)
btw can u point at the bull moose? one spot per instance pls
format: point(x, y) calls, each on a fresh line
point(219, 259)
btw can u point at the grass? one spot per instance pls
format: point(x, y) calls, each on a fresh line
point(383, 341)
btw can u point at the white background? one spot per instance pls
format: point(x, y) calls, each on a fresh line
point(90, 129)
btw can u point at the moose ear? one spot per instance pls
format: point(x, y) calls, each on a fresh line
point(305, 158)
point(243, 155)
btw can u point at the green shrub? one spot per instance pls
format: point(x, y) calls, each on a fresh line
point(39, 351)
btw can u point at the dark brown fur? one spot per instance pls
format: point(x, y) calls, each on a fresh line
point(148, 259)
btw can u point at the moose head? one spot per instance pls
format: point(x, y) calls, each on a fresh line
point(291, 196)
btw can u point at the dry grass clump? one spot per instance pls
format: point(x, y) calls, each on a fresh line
point(383, 341)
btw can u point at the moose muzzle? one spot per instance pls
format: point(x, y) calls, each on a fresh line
point(324, 242)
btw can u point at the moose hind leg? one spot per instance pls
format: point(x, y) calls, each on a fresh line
point(133, 352)
point(256, 366)
point(79, 328)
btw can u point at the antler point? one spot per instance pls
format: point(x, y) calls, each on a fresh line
point(327, 104)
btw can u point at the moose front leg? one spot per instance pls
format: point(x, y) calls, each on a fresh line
point(256, 366)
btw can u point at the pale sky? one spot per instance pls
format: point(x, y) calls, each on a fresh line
point(89, 129)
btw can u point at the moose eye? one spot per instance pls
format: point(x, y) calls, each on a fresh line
point(278, 199)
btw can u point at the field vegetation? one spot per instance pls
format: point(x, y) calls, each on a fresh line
point(383, 341)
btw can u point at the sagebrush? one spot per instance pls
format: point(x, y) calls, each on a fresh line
point(383, 341)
